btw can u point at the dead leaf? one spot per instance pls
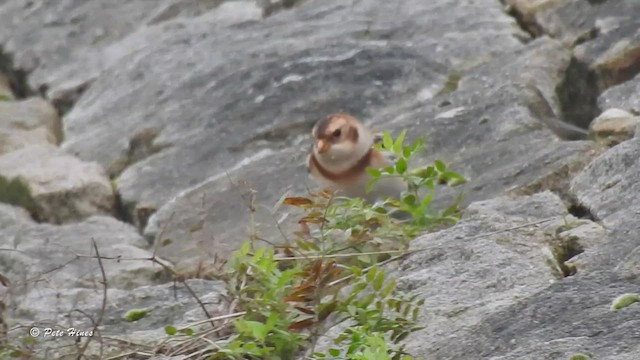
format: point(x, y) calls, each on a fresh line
point(298, 201)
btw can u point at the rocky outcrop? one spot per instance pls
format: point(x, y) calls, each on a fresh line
point(53, 268)
point(28, 122)
point(175, 113)
point(61, 187)
point(501, 296)
point(614, 126)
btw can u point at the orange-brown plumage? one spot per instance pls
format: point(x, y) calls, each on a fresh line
point(342, 151)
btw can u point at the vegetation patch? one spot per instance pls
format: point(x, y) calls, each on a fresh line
point(16, 192)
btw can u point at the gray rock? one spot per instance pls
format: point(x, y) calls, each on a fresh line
point(501, 135)
point(62, 187)
point(605, 53)
point(493, 154)
point(625, 96)
point(609, 189)
point(88, 37)
point(260, 85)
point(52, 268)
point(67, 54)
point(614, 126)
point(495, 296)
point(181, 311)
point(28, 122)
point(173, 94)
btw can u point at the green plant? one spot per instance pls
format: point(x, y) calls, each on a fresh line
point(379, 317)
point(330, 273)
point(260, 287)
point(424, 178)
point(625, 300)
point(135, 314)
point(16, 192)
point(578, 357)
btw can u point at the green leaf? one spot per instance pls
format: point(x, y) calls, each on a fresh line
point(388, 288)
point(409, 199)
point(397, 145)
point(389, 170)
point(244, 249)
point(170, 330)
point(357, 271)
point(371, 273)
point(358, 287)
point(440, 166)
point(187, 331)
point(334, 352)
point(387, 141)
point(370, 184)
point(579, 356)
point(258, 330)
point(135, 314)
point(625, 300)
point(374, 172)
point(401, 166)
point(426, 200)
point(415, 313)
point(271, 320)
point(417, 143)
point(366, 300)
point(379, 280)
point(407, 151)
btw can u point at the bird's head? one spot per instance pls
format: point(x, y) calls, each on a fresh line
point(340, 138)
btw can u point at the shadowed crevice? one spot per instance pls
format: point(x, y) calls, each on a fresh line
point(17, 78)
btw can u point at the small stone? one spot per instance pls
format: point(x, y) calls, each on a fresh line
point(614, 126)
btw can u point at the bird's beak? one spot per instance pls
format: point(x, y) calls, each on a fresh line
point(322, 146)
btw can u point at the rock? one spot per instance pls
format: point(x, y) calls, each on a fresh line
point(28, 122)
point(91, 36)
point(213, 216)
point(475, 298)
point(195, 106)
point(528, 11)
point(609, 190)
point(343, 69)
point(181, 311)
point(56, 281)
point(59, 187)
point(503, 136)
point(69, 55)
point(625, 96)
point(63, 255)
point(606, 50)
point(614, 126)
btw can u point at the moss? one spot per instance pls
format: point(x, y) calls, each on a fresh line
point(451, 84)
point(625, 300)
point(135, 314)
point(16, 192)
point(4, 97)
point(578, 357)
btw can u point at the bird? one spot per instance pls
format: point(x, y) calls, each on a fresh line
point(341, 151)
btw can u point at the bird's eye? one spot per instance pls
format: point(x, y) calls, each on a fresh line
point(337, 133)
